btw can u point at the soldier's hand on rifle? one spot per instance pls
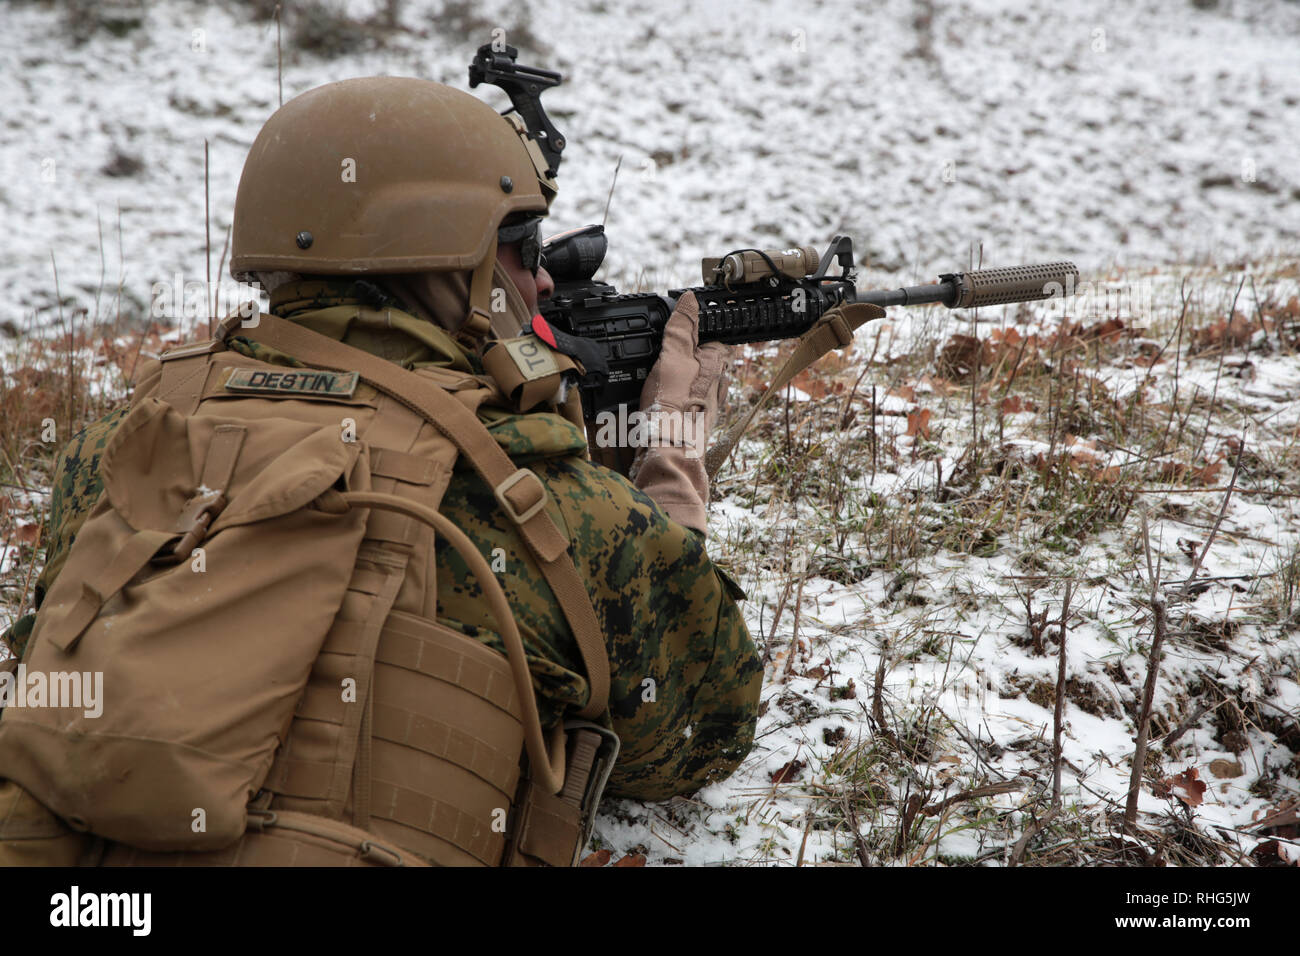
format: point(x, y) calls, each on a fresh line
point(680, 399)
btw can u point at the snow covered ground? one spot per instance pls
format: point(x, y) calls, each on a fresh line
point(892, 584)
point(1131, 133)
point(1151, 142)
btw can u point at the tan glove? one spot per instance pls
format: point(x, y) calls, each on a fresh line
point(681, 398)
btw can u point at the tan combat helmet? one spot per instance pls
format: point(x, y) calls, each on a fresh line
point(385, 175)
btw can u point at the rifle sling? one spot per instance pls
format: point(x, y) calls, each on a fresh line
point(833, 330)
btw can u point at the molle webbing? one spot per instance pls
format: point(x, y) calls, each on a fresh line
point(315, 765)
point(438, 799)
point(428, 754)
point(424, 749)
point(445, 739)
point(446, 743)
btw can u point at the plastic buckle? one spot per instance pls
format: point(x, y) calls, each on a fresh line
point(518, 476)
point(601, 769)
point(477, 324)
point(197, 517)
point(247, 312)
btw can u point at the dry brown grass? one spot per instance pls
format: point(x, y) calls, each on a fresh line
point(1033, 445)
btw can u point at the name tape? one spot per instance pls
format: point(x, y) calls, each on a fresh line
point(298, 381)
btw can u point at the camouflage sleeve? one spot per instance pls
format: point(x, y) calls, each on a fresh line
point(77, 486)
point(16, 636)
point(685, 691)
point(684, 673)
point(75, 489)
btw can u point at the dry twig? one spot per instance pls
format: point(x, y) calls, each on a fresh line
point(1148, 692)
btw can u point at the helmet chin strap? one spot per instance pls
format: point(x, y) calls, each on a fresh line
point(517, 318)
point(479, 320)
point(508, 323)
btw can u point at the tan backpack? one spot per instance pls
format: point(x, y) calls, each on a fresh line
point(251, 587)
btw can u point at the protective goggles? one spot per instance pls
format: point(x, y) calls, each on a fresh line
point(529, 236)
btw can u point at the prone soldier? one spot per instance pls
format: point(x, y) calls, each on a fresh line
point(428, 257)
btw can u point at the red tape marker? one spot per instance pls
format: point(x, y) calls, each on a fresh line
point(543, 331)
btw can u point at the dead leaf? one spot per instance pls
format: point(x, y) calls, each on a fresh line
point(961, 355)
point(1171, 471)
point(599, 858)
point(1284, 821)
point(789, 772)
point(1273, 853)
point(1011, 351)
point(1236, 741)
point(818, 672)
point(1105, 330)
point(632, 859)
point(1015, 404)
point(906, 392)
point(1226, 769)
point(918, 423)
point(1187, 787)
point(1210, 473)
point(27, 533)
point(812, 384)
point(1235, 331)
point(1289, 311)
point(1064, 336)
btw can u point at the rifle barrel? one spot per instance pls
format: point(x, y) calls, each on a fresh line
point(965, 290)
point(909, 295)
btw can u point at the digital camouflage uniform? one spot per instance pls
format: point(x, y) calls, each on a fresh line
point(685, 676)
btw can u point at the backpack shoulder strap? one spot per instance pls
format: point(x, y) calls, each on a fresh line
point(520, 492)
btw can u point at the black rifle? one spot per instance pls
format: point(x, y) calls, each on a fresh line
point(749, 295)
point(755, 296)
